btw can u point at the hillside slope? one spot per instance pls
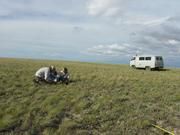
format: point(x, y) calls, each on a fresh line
point(101, 99)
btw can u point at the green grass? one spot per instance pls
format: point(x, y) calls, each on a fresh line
point(102, 99)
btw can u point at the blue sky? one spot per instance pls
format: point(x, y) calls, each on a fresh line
point(109, 31)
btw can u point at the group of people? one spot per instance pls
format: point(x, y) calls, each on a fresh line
point(51, 75)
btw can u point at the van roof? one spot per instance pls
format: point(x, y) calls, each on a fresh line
point(147, 56)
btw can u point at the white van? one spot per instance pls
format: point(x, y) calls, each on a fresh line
point(147, 62)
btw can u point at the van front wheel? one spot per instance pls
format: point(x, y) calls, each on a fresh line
point(148, 68)
point(133, 66)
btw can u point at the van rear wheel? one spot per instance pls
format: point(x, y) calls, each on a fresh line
point(148, 68)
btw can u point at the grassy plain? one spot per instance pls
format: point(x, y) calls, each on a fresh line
point(101, 99)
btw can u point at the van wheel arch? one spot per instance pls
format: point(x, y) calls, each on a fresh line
point(148, 68)
point(133, 66)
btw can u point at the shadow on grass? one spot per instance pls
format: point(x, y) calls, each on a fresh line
point(51, 83)
point(142, 69)
point(75, 81)
point(161, 69)
point(11, 127)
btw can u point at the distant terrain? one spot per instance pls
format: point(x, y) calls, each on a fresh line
point(101, 99)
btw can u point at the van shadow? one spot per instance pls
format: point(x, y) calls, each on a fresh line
point(161, 69)
point(153, 69)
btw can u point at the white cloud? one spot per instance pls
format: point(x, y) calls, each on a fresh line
point(114, 50)
point(147, 45)
point(155, 22)
point(143, 20)
point(160, 40)
point(173, 42)
point(123, 13)
point(103, 7)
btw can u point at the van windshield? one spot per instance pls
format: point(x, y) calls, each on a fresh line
point(159, 58)
point(133, 58)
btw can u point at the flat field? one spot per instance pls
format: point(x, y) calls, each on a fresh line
point(101, 99)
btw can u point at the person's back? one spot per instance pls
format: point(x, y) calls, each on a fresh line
point(43, 73)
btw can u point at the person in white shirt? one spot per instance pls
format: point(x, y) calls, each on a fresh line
point(46, 74)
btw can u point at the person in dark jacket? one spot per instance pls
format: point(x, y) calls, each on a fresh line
point(63, 76)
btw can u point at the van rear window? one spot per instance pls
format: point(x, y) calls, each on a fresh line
point(141, 58)
point(148, 58)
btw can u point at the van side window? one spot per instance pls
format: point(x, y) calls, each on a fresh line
point(148, 58)
point(141, 58)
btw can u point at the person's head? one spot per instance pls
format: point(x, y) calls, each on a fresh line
point(65, 70)
point(52, 68)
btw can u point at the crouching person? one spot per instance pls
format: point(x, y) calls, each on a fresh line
point(63, 76)
point(46, 74)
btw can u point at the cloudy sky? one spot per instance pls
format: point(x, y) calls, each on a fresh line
point(109, 31)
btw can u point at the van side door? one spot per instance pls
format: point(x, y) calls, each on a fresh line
point(140, 62)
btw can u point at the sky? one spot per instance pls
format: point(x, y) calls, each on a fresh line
point(108, 31)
